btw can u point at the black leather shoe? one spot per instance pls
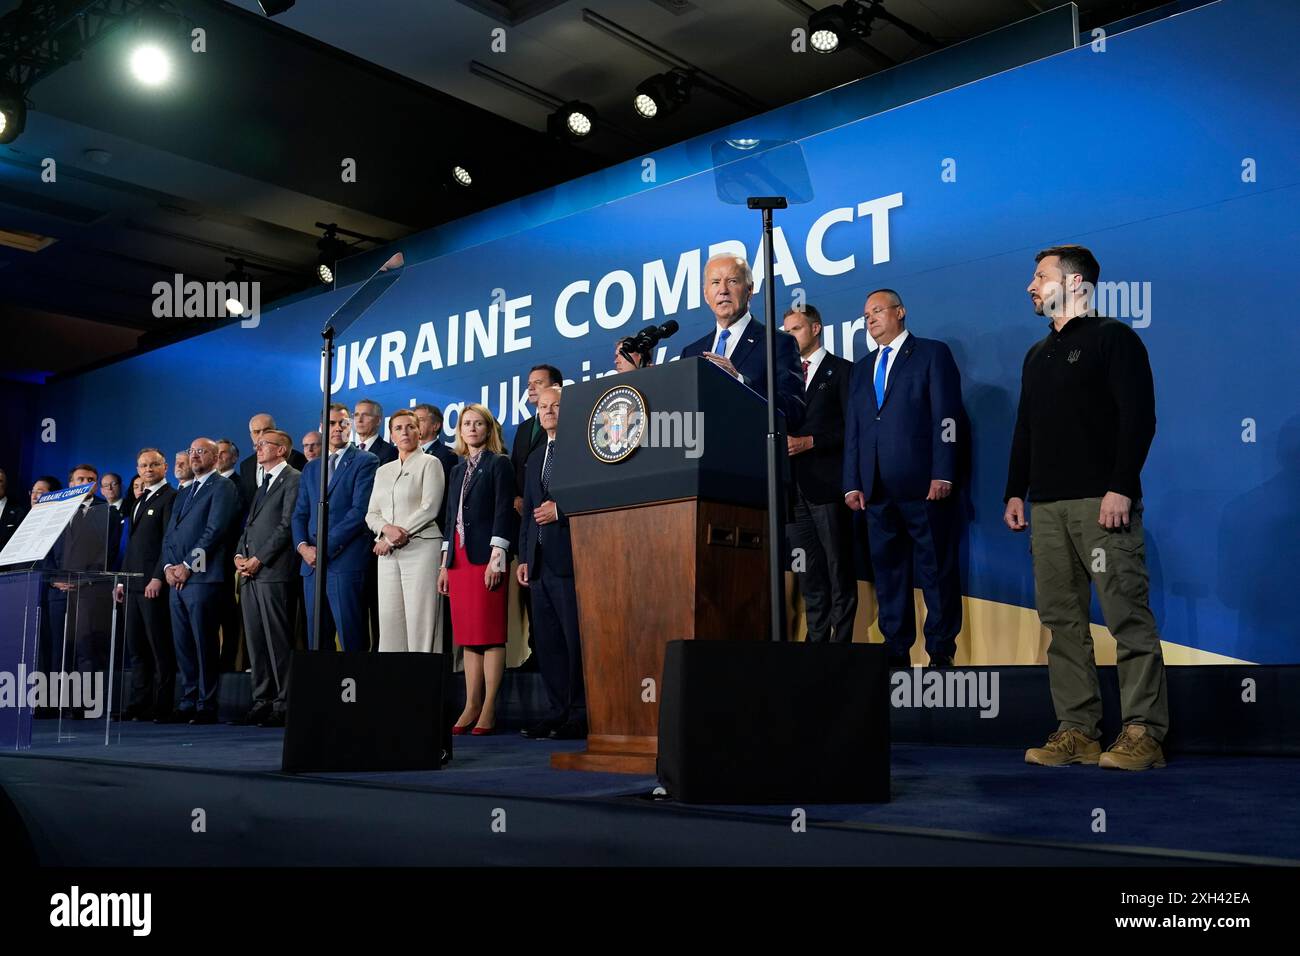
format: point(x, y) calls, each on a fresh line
point(252, 718)
point(540, 731)
point(204, 717)
point(573, 730)
point(939, 660)
point(272, 720)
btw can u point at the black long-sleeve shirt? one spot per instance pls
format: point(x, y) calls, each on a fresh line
point(1087, 414)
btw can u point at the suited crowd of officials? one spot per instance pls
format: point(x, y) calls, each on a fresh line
point(413, 522)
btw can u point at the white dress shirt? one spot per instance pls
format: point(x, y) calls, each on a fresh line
point(894, 348)
point(145, 497)
point(814, 362)
point(365, 443)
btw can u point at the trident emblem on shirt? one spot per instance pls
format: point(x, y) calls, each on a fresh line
point(1073, 356)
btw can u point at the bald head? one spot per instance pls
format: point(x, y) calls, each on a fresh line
point(259, 423)
point(203, 456)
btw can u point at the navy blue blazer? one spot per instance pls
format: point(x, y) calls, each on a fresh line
point(448, 458)
point(349, 497)
point(489, 508)
point(558, 552)
point(905, 436)
point(203, 520)
point(750, 360)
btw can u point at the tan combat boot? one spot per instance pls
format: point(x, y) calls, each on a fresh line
point(1134, 749)
point(1065, 747)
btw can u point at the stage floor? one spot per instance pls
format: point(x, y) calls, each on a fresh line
point(85, 803)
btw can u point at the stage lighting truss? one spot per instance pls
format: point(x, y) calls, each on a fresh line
point(663, 94)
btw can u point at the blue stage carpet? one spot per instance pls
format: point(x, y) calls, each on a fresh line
point(1243, 807)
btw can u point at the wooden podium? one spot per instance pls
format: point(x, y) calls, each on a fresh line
point(669, 543)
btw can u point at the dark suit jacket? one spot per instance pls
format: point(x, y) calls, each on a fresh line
point(268, 530)
point(13, 516)
point(489, 508)
point(557, 553)
point(383, 450)
point(819, 471)
point(203, 520)
point(750, 360)
point(525, 444)
point(904, 437)
point(445, 455)
point(91, 541)
point(145, 531)
point(248, 475)
point(349, 497)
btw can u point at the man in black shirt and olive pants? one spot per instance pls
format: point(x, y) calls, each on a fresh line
point(1084, 426)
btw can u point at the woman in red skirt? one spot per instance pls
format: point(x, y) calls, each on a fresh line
point(480, 528)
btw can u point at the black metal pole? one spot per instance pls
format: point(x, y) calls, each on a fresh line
point(323, 518)
point(775, 451)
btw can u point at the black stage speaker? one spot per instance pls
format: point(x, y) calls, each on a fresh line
point(365, 711)
point(764, 722)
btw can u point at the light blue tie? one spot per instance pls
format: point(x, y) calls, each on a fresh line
point(721, 347)
point(882, 368)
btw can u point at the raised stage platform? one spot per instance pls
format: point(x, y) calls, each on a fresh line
point(499, 803)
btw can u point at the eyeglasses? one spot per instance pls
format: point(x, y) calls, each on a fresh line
point(201, 451)
point(258, 444)
point(879, 309)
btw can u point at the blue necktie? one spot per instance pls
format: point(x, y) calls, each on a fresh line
point(881, 368)
point(185, 505)
point(721, 347)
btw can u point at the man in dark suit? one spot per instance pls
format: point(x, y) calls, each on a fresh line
point(529, 436)
point(351, 475)
point(267, 564)
point(822, 525)
point(12, 511)
point(232, 627)
point(431, 443)
point(195, 558)
point(546, 570)
point(89, 543)
point(367, 422)
point(900, 461)
point(148, 614)
point(367, 418)
point(737, 344)
point(250, 472)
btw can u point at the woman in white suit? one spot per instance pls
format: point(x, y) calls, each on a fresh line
point(405, 505)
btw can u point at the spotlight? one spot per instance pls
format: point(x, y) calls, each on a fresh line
point(236, 275)
point(831, 28)
point(461, 175)
point(662, 94)
point(574, 121)
point(150, 64)
point(159, 32)
point(845, 24)
point(331, 250)
point(13, 112)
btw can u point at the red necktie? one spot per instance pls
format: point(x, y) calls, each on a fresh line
point(805, 371)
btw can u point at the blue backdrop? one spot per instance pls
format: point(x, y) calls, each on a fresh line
point(1143, 151)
